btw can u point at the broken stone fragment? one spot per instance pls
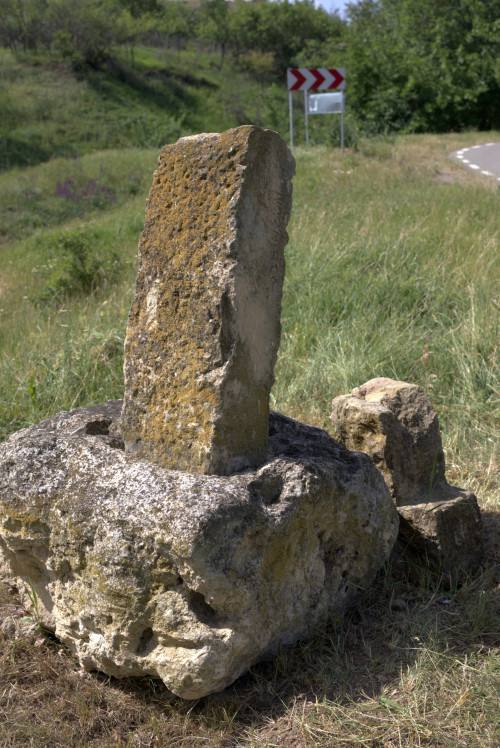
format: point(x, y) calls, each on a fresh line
point(395, 424)
point(204, 328)
point(141, 570)
point(446, 534)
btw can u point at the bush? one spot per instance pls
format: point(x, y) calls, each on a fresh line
point(80, 266)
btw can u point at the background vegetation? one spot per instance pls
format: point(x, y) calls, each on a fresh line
point(392, 270)
point(160, 68)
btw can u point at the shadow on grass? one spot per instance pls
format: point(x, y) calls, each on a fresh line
point(16, 151)
point(120, 83)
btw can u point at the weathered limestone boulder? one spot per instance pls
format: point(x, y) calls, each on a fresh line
point(204, 328)
point(141, 570)
point(395, 424)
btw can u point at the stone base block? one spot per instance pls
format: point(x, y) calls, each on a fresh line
point(141, 570)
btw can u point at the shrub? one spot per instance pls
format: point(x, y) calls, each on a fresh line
point(80, 266)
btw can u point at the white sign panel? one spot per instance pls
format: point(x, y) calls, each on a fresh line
point(327, 103)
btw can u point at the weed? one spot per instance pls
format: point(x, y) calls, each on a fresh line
point(92, 190)
point(80, 266)
point(33, 598)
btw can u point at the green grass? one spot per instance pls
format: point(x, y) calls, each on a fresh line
point(63, 189)
point(393, 272)
point(48, 111)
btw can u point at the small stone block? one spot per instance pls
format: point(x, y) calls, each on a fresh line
point(395, 424)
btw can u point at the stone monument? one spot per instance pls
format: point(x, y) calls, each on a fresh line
point(204, 328)
point(187, 532)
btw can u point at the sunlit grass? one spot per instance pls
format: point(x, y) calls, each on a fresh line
point(393, 272)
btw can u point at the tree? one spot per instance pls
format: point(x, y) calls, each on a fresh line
point(418, 65)
point(22, 23)
point(84, 32)
point(138, 8)
point(214, 24)
point(283, 29)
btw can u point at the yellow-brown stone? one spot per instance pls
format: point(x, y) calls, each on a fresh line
point(204, 327)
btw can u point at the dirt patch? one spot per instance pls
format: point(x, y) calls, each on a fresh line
point(450, 177)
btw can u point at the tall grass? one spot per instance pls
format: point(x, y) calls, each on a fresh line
point(63, 189)
point(393, 272)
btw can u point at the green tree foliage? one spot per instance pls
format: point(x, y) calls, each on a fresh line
point(175, 23)
point(419, 65)
point(412, 65)
point(88, 31)
point(138, 8)
point(22, 23)
point(214, 24)
point(83, 31)
point(290, 32)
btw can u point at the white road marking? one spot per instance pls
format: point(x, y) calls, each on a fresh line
point(459, 155)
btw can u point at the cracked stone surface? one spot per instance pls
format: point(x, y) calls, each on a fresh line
point(204, 328)
point(141, 570)
point(395, 424)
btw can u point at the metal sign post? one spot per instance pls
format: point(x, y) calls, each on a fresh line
point(315, 79)
point(329, 103)
point(342, 123)
point(306, 114)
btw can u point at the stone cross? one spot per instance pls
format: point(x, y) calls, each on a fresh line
point(204, 328)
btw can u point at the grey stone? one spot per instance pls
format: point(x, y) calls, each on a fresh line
point(446, 534)
point(395, 424)
point(141, 570)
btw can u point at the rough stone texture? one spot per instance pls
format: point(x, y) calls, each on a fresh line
point(143, 570)
point(446, 534)
point(204, 327)
point(395, 424)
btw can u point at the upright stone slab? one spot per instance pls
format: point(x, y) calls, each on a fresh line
point(204, 327)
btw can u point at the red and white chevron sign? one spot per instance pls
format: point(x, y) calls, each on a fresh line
point(317, 79)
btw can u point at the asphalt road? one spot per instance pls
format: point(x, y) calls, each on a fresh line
point(485, 159)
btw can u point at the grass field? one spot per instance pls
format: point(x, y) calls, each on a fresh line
point(392, 270)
